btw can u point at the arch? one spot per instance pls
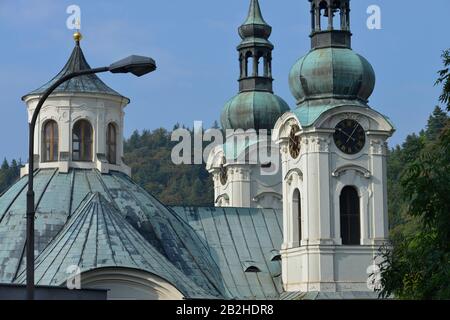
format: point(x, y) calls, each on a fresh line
point(50, 141)
point(243, 65)
point(250, 266)
point(262, 64)
point(297, 213)
point(291, 173)
point(222, 200)
point(313, 17)
point(350, 216)
point(275, 255)
point(111, 143)
point(380, 122)
point(82, 141)
point(130, 284)
point(363, 171)
point(282, 127)
point(323, 15)
point(248, 68)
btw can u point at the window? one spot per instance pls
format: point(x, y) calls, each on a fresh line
point(297, 211)
point(111, 144)
point(50, 140)
point(82, 141)
point(261, 65)
point(350, 216)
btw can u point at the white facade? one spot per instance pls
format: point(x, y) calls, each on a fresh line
point(66, 110)
point(318, 261)
point(252, 180)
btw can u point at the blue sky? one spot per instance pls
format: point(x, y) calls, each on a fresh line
point(194, 44)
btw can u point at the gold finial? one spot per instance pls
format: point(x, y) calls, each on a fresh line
point(77, 36)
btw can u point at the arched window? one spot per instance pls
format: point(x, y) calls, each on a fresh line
point(350, 216)
point(82, 141)
point(261, 65)
point(297, 212)
point(111, 144)
point(323, 8)
point(50, 140)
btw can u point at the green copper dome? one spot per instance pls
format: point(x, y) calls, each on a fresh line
point(332, 73)
point(253, 110)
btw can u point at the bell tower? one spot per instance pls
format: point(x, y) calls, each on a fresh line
point(255, 52)
point(330, 23)
point(333, 148)
point(241, 177)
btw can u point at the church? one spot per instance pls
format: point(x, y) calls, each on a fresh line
point(308, 226)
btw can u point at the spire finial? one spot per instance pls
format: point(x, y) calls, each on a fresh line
point(77, 36)
point(254, 14)
point(255, 26)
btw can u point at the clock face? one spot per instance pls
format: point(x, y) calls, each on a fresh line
point(294, 142)
point(349, 136)
point(223, 174)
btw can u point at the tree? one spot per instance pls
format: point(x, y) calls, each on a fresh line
point(417, 265)
point(444, 79)
point(149, 156)
point(9, 173)
point(436, 122)
point(5, 165)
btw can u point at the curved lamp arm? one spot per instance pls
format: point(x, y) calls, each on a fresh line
point(30, 192)
point(136, 65)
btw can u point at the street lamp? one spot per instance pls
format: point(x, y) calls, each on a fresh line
point(136, 65)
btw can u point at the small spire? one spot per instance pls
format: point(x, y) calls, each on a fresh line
point(255, 26)
point(254, 14)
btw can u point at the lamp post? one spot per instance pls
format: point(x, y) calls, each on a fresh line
point(136, 65)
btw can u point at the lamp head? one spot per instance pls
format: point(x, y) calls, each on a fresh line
point(136, 65)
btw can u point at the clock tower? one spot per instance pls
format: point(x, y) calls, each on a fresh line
point(333, 149)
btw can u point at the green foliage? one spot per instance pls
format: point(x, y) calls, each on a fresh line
point(436, 122)
point(398, 157)
point(9, 173)
point(418, 265)
point(149, 156)
point(401, 222)
point(444, 79)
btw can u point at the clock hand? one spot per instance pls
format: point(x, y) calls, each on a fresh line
point(339, 129)
point(351, 135)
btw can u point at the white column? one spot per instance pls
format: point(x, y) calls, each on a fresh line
point(240, 193)
point(379, 210)
point(317, 179)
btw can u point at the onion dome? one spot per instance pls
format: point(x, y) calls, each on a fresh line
point(332, 73)
point(331, 70)
point(253, 110)
point(83, 84)
point(255, 107)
